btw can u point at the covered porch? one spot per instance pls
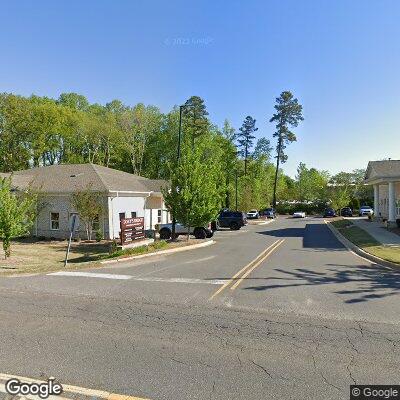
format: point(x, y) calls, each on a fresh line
point(384, 176)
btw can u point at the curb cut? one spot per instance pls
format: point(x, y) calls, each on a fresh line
point(360, 252)
point(161, 252)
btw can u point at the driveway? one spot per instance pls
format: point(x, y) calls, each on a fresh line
point(304, 318)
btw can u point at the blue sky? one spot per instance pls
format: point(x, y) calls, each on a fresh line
point(340, 58)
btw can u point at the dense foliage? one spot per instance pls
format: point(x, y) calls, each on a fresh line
point(37, 131)
point(17, 213)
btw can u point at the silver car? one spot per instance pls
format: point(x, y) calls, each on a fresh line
point(365, 210)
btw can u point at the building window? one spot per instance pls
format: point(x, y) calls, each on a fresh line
point(121, 216)
point(54, 221)
point(159, 216)
point(133, 214)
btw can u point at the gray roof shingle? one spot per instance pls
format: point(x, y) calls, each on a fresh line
point(67, 178)
point(382, 169)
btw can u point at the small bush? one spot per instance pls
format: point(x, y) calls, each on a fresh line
point(313, 208)
point(137, 250)
point(113, 247)
point(99, 236)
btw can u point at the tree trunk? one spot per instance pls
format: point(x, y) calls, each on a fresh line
point(245, 161)
point(276, 171)
point(7, 247)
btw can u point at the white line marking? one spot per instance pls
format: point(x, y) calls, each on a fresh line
point(143, 279)
point(266, 222)
point(199, 260)
point(182, 280)
point(91, 275)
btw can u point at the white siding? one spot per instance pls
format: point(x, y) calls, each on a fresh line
point(62, 204)
point(125, 204)
point(384, 200)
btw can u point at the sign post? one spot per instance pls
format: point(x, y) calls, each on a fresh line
point(73, 224)
point(131, 229)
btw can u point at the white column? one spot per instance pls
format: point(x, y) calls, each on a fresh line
point(376, 200)
point(392, 202)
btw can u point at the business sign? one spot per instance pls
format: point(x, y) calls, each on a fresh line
point(131, 229)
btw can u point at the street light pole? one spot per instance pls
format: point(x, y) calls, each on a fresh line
point(180, 132)
point(178, 159)
point(236, 189)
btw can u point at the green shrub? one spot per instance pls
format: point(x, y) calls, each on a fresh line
point(136, 250)
point(313, 208)
point(99, 236)
point(113, 247)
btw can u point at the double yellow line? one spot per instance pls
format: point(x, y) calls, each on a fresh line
point(249, 268)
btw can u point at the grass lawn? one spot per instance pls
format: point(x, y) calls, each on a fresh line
point(365, 241)
point(32, 255)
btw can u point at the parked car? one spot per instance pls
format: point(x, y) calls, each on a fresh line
point(253, 214)
point(346, 212)
point(365, 210)
point(329, 212)
point(231, 219)
point(299, 214)
point(269, 213)
point(199, 232)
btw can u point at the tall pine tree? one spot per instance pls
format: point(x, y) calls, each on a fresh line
point(288, 114)
point(245, 139)
point(195, 118)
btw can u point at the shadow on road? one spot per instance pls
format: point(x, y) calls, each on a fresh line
point(372, 282)
point(315, 236)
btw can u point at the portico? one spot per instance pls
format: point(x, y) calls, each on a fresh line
point(385, 178)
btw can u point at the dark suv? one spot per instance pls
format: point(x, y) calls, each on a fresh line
point(231, 219)
point(329, 212)
point(269, 213)
point(346, 212)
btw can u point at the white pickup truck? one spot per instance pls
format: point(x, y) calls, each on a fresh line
point(199, 232)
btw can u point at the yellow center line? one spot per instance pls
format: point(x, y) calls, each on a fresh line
point(225, 285)
point(249, 271)
point(69, 391)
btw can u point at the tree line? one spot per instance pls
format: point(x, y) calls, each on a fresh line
point(38, 131)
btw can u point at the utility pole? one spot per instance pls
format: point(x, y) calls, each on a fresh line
point(277, 169)
point(178, 159)
point(236, 189)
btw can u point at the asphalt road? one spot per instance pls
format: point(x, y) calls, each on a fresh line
point(304, 320)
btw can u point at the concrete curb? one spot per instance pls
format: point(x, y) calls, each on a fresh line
point(161, 252)
point(360, 252)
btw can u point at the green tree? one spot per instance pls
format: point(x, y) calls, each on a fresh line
point(14, 142)
point(195, 193)
point(339, 197)
point(17, 213)
point(195, 121)
point(288, 114)
point(262, 149)
point(228, 132)
point(245, 139)
point(311, 184)
point(89, 206)
point(73, 100)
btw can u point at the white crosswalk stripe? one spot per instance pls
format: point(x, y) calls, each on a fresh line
point(143, 279)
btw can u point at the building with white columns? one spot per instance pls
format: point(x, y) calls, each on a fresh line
point(385, 178)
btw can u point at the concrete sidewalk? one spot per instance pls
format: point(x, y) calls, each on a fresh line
point(378, 231)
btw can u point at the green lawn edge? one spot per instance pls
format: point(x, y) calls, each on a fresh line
point(366, 242)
